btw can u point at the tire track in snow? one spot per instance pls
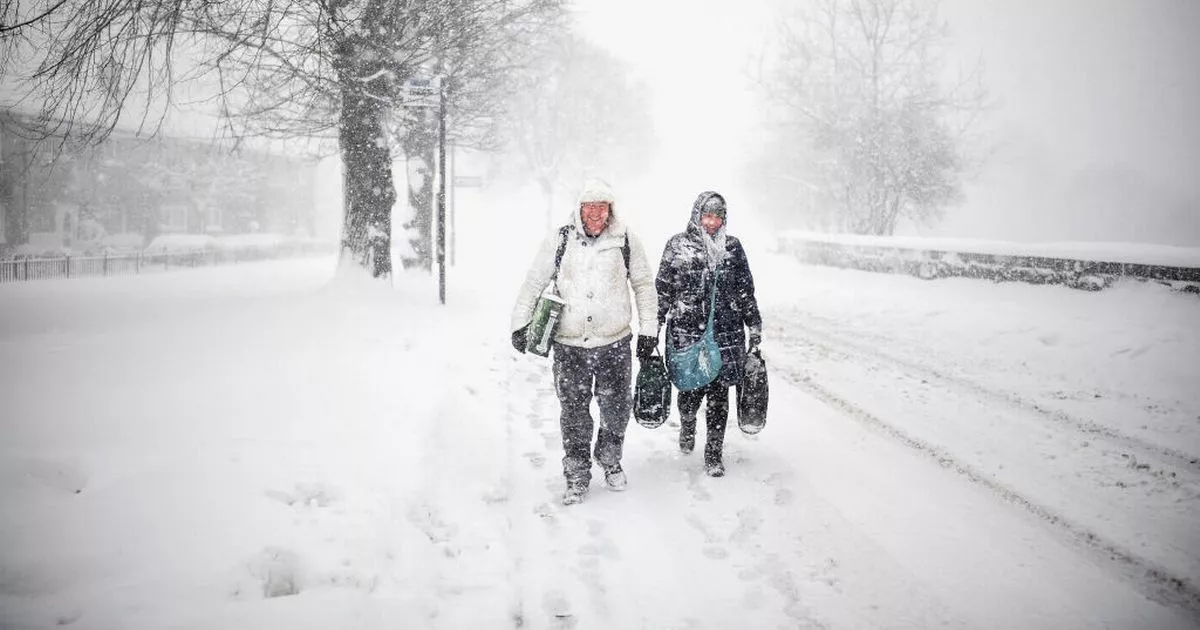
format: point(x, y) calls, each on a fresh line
point(1152, 580)
point(1141, 448)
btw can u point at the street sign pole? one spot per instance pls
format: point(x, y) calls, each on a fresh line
point(441, 195)
point(418, 93)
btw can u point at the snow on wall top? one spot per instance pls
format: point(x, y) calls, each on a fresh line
point(1131, 253)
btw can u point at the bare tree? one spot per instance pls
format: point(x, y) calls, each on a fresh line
point(478, 74)
point(326, 69)
point(869, 130)
point(575, 112)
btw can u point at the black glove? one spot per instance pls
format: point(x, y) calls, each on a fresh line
point(646, 346)
point(755, 339)
point(520, 337)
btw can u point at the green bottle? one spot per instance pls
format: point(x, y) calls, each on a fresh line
point(546, 316)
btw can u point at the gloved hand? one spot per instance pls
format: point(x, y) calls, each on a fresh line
point(520, 337)
point(645, 347)
point(755, 339)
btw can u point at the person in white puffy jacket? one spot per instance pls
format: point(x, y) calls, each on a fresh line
point(601, 261)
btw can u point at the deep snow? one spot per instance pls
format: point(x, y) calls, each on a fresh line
point(256, 446)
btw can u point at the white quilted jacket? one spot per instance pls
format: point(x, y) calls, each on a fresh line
point(592, 281)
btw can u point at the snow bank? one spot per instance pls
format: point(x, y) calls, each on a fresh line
point(1130, 253)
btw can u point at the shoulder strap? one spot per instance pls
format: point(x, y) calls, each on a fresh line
point(712, 303)
point(625, 253)
point(562, 248)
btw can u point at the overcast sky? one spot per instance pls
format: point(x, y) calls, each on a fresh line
point(1079, 84)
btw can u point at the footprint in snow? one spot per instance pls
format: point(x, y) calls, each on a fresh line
point(749, 522)
point(601, 545)
point(558, 610)
point(276, 572)
point(783, 494)
point(754, 597)
point(715, 552)
point(696, 485)
point(307, 495)
point(713, 548)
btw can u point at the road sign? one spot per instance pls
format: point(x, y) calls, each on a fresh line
point(421, 92)
point(420, 87)
point(468, 181)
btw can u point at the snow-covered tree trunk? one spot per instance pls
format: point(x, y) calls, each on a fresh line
point(368, 190)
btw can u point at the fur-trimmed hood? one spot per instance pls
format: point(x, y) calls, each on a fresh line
point(597, 190)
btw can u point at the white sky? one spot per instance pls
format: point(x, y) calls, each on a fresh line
point(1078, 83)
point(695, 60)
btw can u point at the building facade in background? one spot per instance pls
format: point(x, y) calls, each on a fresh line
point(128, 190)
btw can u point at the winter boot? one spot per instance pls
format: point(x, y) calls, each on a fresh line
point(712, 453)
point(714, 469)
point(615, 478)
point(687, 435)
point(576, 490)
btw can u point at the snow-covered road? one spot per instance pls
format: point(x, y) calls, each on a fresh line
point(248, 448)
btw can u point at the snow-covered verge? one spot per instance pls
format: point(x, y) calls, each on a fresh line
point(1124, 359)
point(1089, 266)
point(175, 446)
point(258, 447)
point(1080, 407)
point(1131, 253)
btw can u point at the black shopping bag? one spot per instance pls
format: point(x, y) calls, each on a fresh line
point(652, 393)
point(752, 394)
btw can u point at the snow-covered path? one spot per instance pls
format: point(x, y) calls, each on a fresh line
point(249, 448)
point(820, 523)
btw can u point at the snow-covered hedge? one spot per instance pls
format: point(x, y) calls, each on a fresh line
point(182, 243)
point(167, 251)
point(1091, 266)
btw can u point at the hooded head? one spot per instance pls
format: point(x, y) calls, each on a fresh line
point(708, 212)
point(595, 212)
point(708, 225)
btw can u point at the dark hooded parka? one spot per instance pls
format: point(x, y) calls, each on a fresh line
point(685, 278)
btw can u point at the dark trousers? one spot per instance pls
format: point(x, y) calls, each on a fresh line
point(716, 415)
point(579, 374)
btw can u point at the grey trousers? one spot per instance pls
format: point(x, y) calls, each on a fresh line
point(579, 374)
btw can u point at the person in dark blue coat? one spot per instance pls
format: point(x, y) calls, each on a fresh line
point(684, 283)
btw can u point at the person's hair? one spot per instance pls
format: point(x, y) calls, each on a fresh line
point(714, 205)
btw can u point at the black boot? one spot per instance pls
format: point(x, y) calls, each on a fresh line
point(576, 490)
point(715, 421)
point(714, 469)
point(713, 466)
point(687, 434)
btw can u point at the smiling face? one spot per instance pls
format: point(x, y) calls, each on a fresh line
point(594, 215)
point(711, 223)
